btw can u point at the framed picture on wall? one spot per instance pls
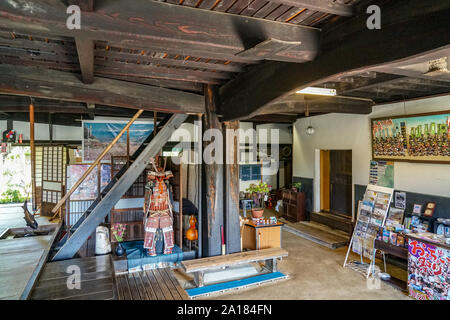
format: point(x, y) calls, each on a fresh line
point(417, 208)
point(429, 209)
point(400, 200)
point(415, 138)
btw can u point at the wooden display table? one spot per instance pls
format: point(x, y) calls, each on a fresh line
point(255, 237)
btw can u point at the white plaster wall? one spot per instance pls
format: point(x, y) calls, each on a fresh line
point(348, 131)
point(41, 131)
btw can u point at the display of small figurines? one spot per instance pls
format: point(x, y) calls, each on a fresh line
point(262, 221)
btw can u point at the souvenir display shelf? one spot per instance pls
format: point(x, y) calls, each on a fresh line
point(372, 213)
point(428, 267)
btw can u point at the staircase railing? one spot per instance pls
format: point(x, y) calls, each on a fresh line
point(57, 209)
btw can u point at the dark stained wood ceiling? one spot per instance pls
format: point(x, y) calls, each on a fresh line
point(184, 51)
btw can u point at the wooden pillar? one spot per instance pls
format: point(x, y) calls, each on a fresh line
point(212, 184)
point(198, 165)
point(33, 157)
point(231, 194)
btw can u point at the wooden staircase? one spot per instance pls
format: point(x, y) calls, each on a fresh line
point(122, 181)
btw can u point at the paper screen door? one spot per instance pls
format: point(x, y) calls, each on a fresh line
point(53, 177)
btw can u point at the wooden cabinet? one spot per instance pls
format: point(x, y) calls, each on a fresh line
point(256, 237)
point(294, 206)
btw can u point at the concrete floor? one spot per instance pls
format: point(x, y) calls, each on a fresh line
point(315, 272)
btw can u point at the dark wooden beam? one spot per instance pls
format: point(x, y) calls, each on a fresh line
point(151, 24)
point(155, 60)
point(154, 72)
point(213, 183)
point(231, 189)
point(274, 118)
point(326, 6)
point(123, 69)
point(57, 119)
point(85, 47)
point(53, 84)
point(271, 81)
point(413, 74)
point(298, 104)
point(172, 84)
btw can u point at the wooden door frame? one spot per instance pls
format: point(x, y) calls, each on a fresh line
point(317, 182)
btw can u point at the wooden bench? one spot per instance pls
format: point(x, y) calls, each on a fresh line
point(199, 266)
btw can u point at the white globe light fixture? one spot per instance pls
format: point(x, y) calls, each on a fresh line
point(310, 130)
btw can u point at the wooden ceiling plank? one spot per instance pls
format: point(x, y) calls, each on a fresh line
point(253, 7)
point(326, 6)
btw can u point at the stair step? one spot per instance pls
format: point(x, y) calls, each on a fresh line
point(333, 221)
point(324, 238)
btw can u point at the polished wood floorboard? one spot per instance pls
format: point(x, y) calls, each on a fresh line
point(158, 284)
point(97, 280)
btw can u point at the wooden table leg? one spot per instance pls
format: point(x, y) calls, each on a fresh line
point(271, 265)
point(198, 279)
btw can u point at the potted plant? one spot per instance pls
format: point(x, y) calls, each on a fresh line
point(258, 192)
point(118, 230)
point(297, 187)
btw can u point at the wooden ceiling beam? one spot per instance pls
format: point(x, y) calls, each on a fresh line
point(123, 69)
point(183, 63)
point(152, 24)
point(274, 118)
point(271, 81)
point(412, 73)
point(85, 47)
point(300, 103)
point(53, 84)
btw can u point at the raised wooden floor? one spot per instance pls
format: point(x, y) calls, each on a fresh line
point(97, 280)
point(21, 259)
point(159, 284)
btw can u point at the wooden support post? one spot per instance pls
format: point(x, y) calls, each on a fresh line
point(198, 161)
point(213, 183)
point(33, 157)
point(231, 194)
point(180, 234)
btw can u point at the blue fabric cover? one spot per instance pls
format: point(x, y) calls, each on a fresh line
point(137, 258)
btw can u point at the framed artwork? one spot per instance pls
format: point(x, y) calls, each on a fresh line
point(417, 208)
point(429, 209)
point(88, 190)
point(98, 134)
point(395, 216)
point(416, 138)
point(400, 200)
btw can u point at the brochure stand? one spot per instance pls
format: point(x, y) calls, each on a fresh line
point(372, 213)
